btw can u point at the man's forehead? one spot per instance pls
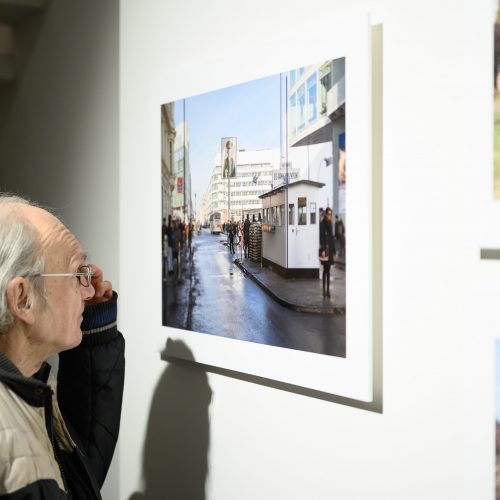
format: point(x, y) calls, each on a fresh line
point(54, 235)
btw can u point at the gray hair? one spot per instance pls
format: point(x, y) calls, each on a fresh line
point(20, 253)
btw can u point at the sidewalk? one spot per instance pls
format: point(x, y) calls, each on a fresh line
point(301, 294)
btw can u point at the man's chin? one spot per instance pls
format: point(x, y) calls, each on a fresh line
point(76, 340)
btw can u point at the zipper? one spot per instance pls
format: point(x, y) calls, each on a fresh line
point(53, 439)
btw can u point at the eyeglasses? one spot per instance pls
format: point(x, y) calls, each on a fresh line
point(84, 275)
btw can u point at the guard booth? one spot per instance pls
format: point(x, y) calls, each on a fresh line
point(290, 234)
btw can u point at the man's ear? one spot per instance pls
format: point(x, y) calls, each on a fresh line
point(19, 300)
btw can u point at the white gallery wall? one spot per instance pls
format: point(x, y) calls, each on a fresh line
point(434, 439)
point(187, 434)
point(59, 140)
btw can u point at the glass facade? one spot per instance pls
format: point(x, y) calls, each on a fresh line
point(292, 114)
point(307, 102)
point(312, 98)
point(301, 104)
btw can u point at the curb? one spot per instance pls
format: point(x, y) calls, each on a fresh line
point(283, 302)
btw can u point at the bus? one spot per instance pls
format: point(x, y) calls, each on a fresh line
point(215, 223)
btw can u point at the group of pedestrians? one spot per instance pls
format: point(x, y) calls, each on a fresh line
point(239, 233)
point(331, 245)
point(175, 236)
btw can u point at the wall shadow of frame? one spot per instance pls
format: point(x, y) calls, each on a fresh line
point(376, 405)
point(176, 446)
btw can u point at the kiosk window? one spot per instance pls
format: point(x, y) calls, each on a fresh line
point(266, 216)
point(281, 215)
point(291, 214)
point(302, 206)
point(312, 210)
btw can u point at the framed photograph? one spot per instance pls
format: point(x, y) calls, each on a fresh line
point(243, 286)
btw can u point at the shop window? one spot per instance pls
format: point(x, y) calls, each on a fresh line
point(302, 211)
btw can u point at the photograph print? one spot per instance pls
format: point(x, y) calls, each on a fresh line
point(254, 222)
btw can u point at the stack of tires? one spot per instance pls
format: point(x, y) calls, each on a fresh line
point(255, 243)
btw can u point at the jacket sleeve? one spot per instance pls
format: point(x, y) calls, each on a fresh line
point(90, 385)
point(43, 489)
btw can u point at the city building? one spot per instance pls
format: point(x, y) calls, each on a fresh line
point(203, 211)
point(182, 206)
point(316, 115)
point(312, 174)
point(168, 134)
point(254, 176)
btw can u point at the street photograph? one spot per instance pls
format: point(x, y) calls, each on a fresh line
point(254, 223)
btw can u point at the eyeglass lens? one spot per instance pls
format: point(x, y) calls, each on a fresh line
point(86, 278)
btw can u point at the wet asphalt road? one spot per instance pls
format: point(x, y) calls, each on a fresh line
point(215, 297)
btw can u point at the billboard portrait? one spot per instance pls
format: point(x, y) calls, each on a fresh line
point(228, 147)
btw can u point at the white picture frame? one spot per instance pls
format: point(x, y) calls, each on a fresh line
point(350, 377)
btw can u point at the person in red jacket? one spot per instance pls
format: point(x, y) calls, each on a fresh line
point(56, 439)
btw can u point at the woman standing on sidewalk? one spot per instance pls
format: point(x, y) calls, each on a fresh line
point(326, 249)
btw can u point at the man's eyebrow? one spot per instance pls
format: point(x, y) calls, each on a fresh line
point(82, 256)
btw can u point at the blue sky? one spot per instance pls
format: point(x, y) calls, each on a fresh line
point(249, 111)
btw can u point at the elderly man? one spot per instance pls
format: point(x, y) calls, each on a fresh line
point(52, 301)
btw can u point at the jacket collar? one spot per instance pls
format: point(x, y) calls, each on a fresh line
point(33, 390)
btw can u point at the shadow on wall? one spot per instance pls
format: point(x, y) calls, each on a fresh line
point(175, 457)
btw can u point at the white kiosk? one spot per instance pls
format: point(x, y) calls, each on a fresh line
point(290, 241)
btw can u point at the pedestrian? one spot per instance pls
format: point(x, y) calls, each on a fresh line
point(260, 218)
point(326, 249)
point(177, 241)
point(240, 233)
point(253, 218)
point(170, 246)
point(246, 235)
point(340, 236)
point(164, 248)
point(231, 232)
point(53, 302)
point(189, 230)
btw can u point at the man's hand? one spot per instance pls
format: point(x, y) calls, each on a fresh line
point(103, 289)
